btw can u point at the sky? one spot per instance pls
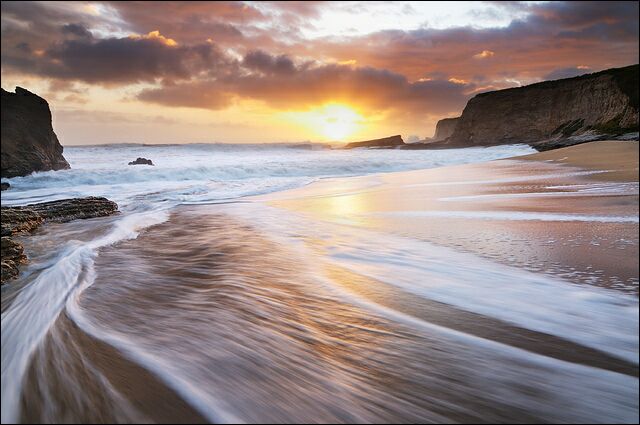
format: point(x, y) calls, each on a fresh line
point(250, 72)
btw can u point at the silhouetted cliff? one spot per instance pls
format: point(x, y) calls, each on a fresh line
point(28, 141)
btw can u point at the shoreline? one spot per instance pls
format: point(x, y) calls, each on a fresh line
point(342, 299)
point(537, 206)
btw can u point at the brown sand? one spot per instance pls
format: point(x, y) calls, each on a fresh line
point(619, 158)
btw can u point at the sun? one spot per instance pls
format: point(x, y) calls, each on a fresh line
point(338, 121)
point(334, 121)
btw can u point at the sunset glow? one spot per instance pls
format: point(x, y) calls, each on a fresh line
point(339, 121)
point(269, 71)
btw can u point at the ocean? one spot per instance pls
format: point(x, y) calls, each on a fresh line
point(205, 173)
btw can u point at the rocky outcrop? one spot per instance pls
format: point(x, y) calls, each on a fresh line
point(12, 256)
point(19, 220)
point(4, 186)
point(75, 209)
point(141, 161)
point(24, 220)
point(28, 141)
point(386, 142)
point(552, 113)
point(445, 128)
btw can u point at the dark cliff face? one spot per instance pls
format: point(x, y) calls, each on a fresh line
point(386, 142)
point(561, 112)
point(28, 141)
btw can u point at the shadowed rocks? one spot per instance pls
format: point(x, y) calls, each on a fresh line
point(24, 220)
point(28, 141)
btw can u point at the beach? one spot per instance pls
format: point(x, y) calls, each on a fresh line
point(570, 212)
point(496, 291)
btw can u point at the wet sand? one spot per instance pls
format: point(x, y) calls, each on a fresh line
point(208, 309)
point(571, 212)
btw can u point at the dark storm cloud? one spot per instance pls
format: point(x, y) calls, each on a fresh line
point(76, 29)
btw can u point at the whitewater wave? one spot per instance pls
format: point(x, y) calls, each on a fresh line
point(38, 305)
point(208, 173)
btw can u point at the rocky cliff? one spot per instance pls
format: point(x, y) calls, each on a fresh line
point(445, 128)
point(28, 141)
point(552, 113)
point(386, 142)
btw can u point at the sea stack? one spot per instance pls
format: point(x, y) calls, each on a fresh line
point(386, 142)
point(28, 141)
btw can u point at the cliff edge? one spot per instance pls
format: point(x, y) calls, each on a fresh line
point(28, 141)
point(552, 114)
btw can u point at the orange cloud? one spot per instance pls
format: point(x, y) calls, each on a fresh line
point(484, 54)
point(156, 36)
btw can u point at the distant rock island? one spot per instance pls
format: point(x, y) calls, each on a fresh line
point(141, 161)
point(548, 115)
point(28, 141)
point(386, 142)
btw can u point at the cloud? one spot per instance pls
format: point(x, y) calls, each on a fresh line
point(208, 54)
point(196, 94)
point(262, 61)
point(123, 60)
point(484, 54)
point(76, 29)
point(304, 85)
point(156, 36)
point(558, 74)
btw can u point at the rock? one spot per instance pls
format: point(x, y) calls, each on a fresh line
point(12, 256)
point(445, 128)
point(387, 142)
point(25, 219)
point(141, 161)
point(557, 113)
point(74, 209)
point(4, 186)
point(28, 141)
point(19, 220)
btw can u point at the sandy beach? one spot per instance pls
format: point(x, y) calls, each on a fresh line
point(500, 291)
point(571, 212)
